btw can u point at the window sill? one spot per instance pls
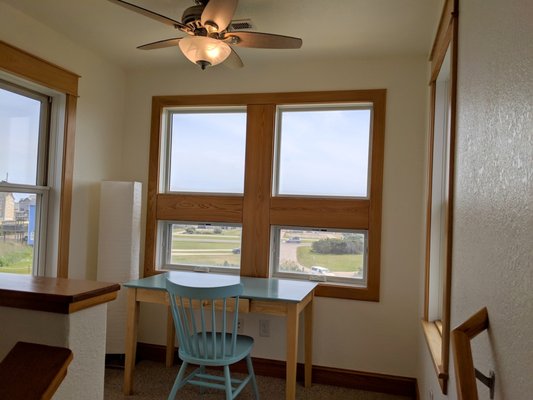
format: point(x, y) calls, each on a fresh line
point(349, 292)
point(433, 336)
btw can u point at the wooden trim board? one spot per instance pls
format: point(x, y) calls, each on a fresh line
point(369, 381)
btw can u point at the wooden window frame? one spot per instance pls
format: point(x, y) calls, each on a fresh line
point(437, 333)
point(257, 209)
point(34, 69)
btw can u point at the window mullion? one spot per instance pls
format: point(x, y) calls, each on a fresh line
point(257, 190)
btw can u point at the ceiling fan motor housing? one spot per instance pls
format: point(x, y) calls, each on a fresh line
point(192, 16)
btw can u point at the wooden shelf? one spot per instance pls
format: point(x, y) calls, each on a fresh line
point(33, 371)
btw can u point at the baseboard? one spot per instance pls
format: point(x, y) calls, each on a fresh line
point(369, 381)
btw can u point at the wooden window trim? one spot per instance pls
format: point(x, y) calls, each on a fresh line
point(32, 68)
point(259, 209)
point(437, 333)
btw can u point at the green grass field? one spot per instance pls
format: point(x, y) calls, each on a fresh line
point(206, 249)
point(335, 262)
point(15, 257)
point(206, 259)
point(186, 245)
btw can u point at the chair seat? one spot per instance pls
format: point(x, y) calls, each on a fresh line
point(243, 347)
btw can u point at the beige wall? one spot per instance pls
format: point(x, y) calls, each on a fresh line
point(99, 125)
point(493, 223)
point(379, 337)
point(112, 143)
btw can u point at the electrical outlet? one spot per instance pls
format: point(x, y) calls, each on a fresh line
point(264, 328)
point(240, 326)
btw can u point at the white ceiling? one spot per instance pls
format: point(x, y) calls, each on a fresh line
point(329, 28)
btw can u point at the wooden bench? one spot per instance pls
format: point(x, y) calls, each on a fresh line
point(33, 371)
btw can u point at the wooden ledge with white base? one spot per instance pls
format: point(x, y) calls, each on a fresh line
point(60, 312)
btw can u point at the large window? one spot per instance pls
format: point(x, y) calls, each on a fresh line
point(24, 122)
point(37, 118)
point(282, 184)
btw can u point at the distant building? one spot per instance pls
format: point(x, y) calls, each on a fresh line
point(7, 206)
point(24, 204)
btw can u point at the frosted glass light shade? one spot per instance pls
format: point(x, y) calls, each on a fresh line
point(204, 50)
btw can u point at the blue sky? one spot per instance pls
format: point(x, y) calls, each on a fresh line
point(208, 152)
point(322, 152)
point(19, 132)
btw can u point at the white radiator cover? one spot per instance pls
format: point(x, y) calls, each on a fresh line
point(118, 250)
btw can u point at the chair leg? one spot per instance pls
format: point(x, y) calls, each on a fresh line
point(177, 382)
point(202, 371)
point(252, 376)
point(227, 381)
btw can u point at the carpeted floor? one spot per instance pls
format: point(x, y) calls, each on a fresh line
point(153, 381)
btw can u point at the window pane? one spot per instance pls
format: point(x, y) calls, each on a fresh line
point(207, 152)
point(205, 245)
point(322, 253)
point(17, 232)
point(19, 135)
point(323, 152)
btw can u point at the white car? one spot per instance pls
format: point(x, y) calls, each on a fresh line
point(315, 269)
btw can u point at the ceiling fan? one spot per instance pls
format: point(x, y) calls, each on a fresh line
point(209, 36)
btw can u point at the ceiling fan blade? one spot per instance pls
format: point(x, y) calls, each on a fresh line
point(233, 61)
point(151, 14)
point(220, 12)
point(160, 44)
point(262, 40)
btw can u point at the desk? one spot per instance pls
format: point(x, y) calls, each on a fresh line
point(281, 297)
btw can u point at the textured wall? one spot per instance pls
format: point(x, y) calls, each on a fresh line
point(493, 235)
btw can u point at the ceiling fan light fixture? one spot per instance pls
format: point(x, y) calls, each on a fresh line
point(204, 51)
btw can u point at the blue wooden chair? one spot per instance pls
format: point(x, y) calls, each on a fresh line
point(200, 343)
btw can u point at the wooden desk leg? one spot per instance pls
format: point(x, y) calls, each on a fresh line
point(292, 350)
point(308, 343)
point(171, 337)
point(132, 323)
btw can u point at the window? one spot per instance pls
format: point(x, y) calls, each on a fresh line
point(237, 181)
point(323, 150)
point(439, 216)
point(324, 255)
point(207, 150)
point(37, 118)
point(202, 247)
point(24, 122)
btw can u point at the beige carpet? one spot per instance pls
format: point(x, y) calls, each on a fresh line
point(153, 381)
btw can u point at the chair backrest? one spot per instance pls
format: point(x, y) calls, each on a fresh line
point(199, 338)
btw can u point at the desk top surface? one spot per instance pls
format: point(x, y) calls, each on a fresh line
point(272, 289)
